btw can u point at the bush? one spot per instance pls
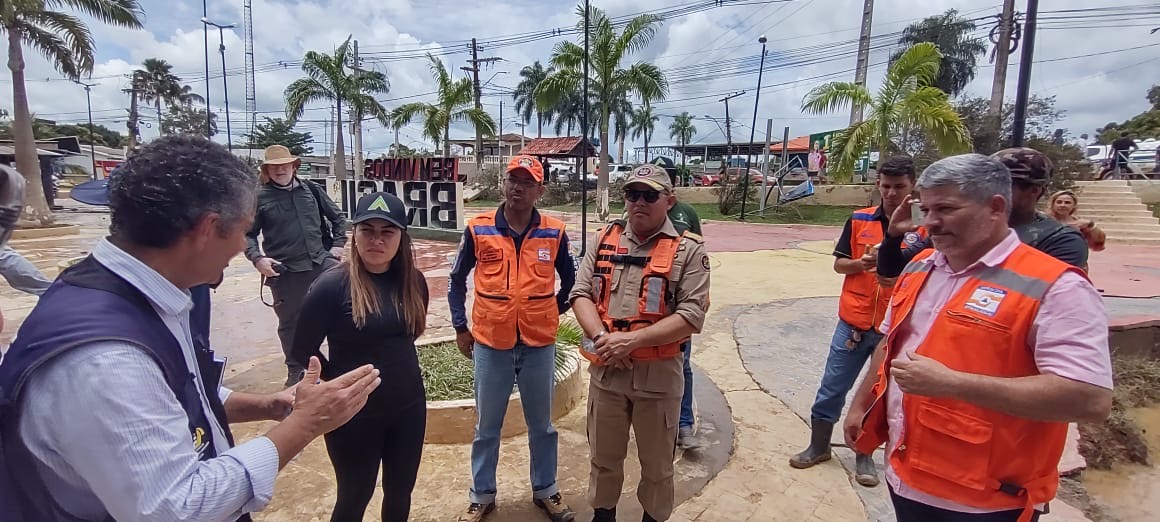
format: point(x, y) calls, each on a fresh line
point(729, 193)
point(448, 375)
point(488, 183)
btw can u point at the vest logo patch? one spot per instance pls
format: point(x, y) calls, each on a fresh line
point(986, 300)
point(544, 255)
point(910, 238)
point(491, 255)
point(199, 442)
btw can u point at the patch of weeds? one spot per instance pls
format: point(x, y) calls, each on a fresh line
point(1118, 439)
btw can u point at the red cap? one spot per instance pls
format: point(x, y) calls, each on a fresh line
point(527, 164)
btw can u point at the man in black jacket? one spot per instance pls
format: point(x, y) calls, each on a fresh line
point(303, 233)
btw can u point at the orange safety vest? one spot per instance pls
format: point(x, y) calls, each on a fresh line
point(654, 288)
point(863, 302)
point(953, 449)
point(515, 290)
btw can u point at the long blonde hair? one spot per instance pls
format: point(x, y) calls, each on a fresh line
point(366, 300)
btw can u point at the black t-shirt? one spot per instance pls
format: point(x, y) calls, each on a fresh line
point(1123, 144)
point(383, 342)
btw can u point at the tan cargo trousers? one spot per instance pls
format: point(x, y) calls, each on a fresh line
point(646, 398)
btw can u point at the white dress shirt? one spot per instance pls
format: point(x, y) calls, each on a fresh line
point(111, 438)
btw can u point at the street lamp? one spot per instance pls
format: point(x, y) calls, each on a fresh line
point(89, 102)
point(205, 37)
point(225, 83)
point(753, 129)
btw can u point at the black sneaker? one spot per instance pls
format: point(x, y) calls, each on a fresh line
point(476, 511)
point(604, 515)
point(556, 509)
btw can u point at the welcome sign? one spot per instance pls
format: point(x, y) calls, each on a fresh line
point(428, 187)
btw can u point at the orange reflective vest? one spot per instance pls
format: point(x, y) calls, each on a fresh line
point(655, 288)
point(863, 302)
point(515, 290)
point(953, 449)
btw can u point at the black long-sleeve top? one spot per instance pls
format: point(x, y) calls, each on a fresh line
point(383, 342)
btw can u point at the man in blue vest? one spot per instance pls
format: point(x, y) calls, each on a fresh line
point(110, 407)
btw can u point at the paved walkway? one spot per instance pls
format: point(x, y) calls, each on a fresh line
point(757, 269)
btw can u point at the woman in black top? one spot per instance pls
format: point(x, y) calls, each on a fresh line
point(371, 310)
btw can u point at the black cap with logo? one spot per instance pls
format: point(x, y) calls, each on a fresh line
point(380, 205)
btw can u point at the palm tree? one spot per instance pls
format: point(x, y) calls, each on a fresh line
point(158, 85)
point(524, 96)
point(906, 100)
point(68, 45)
point(609, 82)
point(643, 124)
point(331, 78)
point(454, 104)
point(682, 130)
point(568, 112)
point(951, 33)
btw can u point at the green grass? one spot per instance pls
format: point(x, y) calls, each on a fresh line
point(810, 214)
point(448, 375)
point(1155, 208)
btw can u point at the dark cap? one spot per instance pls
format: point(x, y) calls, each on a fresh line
point(380, 205)
point(1028, 165)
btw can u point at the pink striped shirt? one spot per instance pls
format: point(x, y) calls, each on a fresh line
point(1069, 338)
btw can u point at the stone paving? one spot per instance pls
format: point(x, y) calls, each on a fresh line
point(757, 270)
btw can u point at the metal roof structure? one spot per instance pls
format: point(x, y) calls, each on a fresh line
point(562, 147)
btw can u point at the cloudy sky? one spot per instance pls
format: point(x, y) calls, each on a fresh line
point(1098, 63)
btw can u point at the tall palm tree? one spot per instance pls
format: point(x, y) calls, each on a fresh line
point(568, 112)
point(609, 82)
point(160, 86)
point(643, 124)
point(682, 130)
point(524, 96)
point(951, 33)
point(906, 100)
point(331, 78)
point(454, 104)
point(68, 45)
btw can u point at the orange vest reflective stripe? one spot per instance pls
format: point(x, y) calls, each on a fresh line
point(515, 291)
point(863, 302)
point(654, 288)
point(956, 450)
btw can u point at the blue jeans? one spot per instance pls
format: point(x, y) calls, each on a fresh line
point(687, 399)
point(533, 371)
point(842, 368)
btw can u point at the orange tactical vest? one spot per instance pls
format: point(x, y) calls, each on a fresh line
point(515, 290)
point(654, 288)
point(953, 449)
point(863, 302)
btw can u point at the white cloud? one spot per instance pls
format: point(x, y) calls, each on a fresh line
point(701, 45)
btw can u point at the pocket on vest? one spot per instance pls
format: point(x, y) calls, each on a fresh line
point(951, 444)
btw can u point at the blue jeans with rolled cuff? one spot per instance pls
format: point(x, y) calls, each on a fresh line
point(843, 365)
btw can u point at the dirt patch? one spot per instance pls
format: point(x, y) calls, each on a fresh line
point(1071, 491)
point(1119, 438)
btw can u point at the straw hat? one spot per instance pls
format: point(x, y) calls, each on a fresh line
point(277, 155)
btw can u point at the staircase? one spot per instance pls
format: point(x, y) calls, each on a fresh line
point(1118, 211)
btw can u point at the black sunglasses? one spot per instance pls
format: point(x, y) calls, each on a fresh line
point(650, 196)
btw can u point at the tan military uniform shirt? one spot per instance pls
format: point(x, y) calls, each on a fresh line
point(688, 297)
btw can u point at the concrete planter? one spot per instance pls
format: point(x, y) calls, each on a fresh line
point(453, 422)
point(43, 232)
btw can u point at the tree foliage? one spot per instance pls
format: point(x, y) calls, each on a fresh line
point(43, 129)
point(187, 119)
point(277, 131)
point(454, 103)
point(951, 33)
point(525, 96)
point(1141, 126)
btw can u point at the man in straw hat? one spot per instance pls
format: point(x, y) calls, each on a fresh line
point(303, 233)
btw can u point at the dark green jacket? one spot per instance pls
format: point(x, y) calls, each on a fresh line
point(684, 217)
point(291, 227)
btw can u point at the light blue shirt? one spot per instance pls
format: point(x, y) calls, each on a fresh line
point(111, 438)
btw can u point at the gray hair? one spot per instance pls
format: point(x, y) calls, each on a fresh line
point(977, 176)
point(166, 187)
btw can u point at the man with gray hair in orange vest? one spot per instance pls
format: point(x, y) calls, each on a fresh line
point(516, 253)
point(991, 348)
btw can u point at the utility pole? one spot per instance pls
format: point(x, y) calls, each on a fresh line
point(1023, 91)
point(499, 138)
point(474, 70)
point(863, 57)
point(205, 36)
point(999, 83)
point(729, 130)
point(92, 137)
point(356, 124)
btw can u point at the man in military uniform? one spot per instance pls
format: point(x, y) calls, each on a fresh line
point(638, 294)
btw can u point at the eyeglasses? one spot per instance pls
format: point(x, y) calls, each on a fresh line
point(524, 183)
point(650, 196)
